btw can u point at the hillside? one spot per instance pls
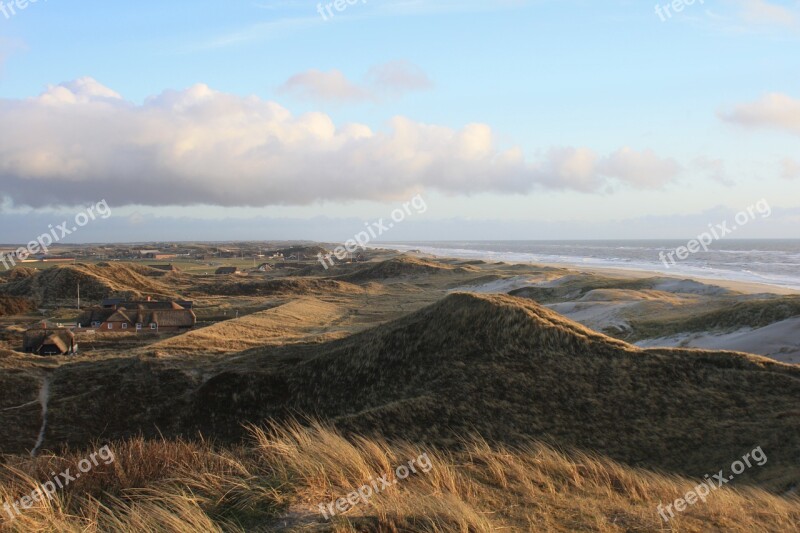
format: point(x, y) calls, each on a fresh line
point(281, 287)
point(511, 369)
point(401, 267)
point(281, 477)
point(11, 305)
point(501, 367)
point(301, 320)
point(99, 281)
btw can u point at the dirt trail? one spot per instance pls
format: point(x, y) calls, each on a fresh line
point(44, 399)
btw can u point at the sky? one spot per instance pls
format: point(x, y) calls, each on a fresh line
point(512, 119)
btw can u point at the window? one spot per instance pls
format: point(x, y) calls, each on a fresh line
point(124, 325)
point(95, 324)
point(153, 325)
point(138, 326)
point(110, 325)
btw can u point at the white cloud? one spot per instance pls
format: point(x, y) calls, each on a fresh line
point(764, 17)
point(715, 169)
point(791, 169)
point(324, 86)
point(393, 79)
point(81, 141)
point(644, 170)
point(399, 77)
point(768, 13)
point(774, 110)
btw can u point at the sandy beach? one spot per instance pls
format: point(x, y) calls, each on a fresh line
point(734, 285)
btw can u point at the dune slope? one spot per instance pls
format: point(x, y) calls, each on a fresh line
point(279, 480)
point(500, 367)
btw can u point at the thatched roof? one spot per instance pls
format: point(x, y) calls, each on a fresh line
point(146, 304)
point(172, 316)
point(150, 305)
point(58, 341)
point(166, 268)
point(95, 314)
point(35, 339)
point(177, 318)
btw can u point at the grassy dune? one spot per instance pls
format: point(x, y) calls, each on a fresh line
point(753, 314)
point(533, 421)
point(97, 281)
point(277, 481)
point(305, 319)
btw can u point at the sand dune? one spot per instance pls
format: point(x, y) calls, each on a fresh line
point(98, 281)
point(11, 305)
point(435, 367)
point(780, 341)
point(302, 320)
point(402, 268)
point(660, 311)
point(282, 287)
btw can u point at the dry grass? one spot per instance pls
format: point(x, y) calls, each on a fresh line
point(277, 482)
point(281, 287)
point(10, 305)
point(102, 280)
point(299, 320)
point(403, 267)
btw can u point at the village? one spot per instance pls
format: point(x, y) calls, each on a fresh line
point(124, 322)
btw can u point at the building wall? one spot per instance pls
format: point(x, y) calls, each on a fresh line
point(117, 328)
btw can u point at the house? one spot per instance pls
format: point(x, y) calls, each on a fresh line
point(139, 316)
point(49, 341)
point(221, 271)
point(264, 267)
point(224, 253)
point(114, 303)
point(156, 254)
point(145, 254)
point(166, 268)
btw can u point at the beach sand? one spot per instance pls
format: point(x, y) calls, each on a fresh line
point(744, 287)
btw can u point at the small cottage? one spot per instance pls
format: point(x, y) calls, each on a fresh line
point(49, 341)
point(138, 317)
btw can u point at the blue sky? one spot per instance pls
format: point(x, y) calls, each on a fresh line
point(595, 116)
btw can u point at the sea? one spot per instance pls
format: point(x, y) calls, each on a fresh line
point(771, 262)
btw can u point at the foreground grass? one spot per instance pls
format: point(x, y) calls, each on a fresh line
point(278, 481)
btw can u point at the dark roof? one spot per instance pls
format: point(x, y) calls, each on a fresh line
point(118, 302)
point(35, 339)
point(168, 317)
point(120, 315)
point(58, 341)
point(177, 318)
point(168, 268)
point(95, 314)
point(150, 305)
point(227, 270)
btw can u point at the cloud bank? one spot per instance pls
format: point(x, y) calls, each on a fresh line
point(791, 169)
point(774, 110)
point(769, 13)
point(390, 79)
point(79, 141)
